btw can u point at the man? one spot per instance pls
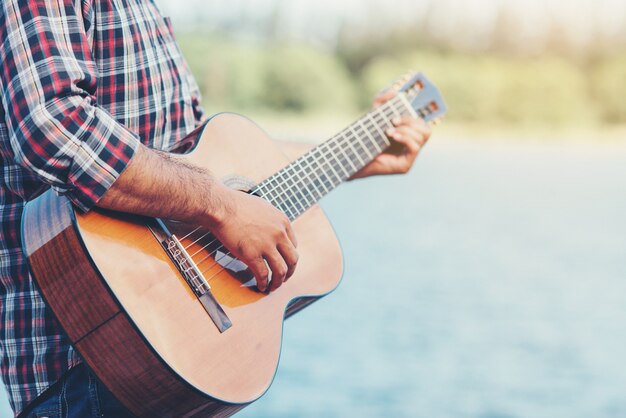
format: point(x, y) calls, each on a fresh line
point(92, 92)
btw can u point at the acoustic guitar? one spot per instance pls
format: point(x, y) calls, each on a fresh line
point(168, 320)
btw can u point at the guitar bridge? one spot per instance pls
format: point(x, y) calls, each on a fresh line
point(192, 275)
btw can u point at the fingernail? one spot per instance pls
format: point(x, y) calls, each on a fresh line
point(396, 121)
point(391, 131)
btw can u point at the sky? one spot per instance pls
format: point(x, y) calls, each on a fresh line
point(463, 21)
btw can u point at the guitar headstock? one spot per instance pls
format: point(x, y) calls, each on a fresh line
point(423, 96)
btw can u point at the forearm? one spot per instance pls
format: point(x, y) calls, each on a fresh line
point(160, 185)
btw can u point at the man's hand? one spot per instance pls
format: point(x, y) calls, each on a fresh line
point(154, 184)
point(255, 232)
point(408, 136)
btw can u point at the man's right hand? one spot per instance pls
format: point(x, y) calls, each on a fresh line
point(154, 184)
point(256, 232)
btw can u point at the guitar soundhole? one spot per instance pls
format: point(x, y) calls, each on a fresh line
point(239, 183)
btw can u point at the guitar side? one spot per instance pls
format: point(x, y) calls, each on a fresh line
point(135, 320)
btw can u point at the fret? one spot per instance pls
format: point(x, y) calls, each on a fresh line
point(263, 191)
point(287, 193)
point(307, 192)
point(277, 186)
point(280, 187)
point(371, 145)
point(287, 210)
point(344, 151)
point(331, 170)
point(298, 185)
point(302, 196)
point(307, 174)
point(380, 132)
point(285, 202)
point(359, 142)
point(325, 169)
point(317, 183)
point(335, 166)
point(317, 170)
point(407, 106)
point(358, 147)
point(306, 179)
point(288, 207)
point(301, 199)
point(327, 182)
point(292, 186)
point(316, 176)
point(395, 111)
point(361, 162)
point(269, 188)
point(389, 114)
point(266, 191)
point(339, 157)
point(384, 125)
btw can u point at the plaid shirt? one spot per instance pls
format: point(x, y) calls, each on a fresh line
point(82, 83)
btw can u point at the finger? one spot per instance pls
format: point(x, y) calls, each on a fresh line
point(384, 97)
point(408, 137)
point(415, 123)
point(409, 121)
point(260, 271)
point(290, 255)
point(419, 123)
point(279, 269)
point(425, 129)
point(416, 128)
point(291, 234)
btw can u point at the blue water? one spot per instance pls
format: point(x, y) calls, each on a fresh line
point(488, 283)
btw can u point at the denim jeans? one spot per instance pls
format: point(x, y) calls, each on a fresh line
point(79, 394)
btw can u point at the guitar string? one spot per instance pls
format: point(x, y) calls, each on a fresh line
point(272, 199)
point(340, 139)
point(397, 98)
point(343, 138)
point(267, 191)
point(423, 113)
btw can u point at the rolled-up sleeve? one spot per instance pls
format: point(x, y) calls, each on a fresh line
point(48, 82)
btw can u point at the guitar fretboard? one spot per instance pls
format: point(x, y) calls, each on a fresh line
point(305, 181)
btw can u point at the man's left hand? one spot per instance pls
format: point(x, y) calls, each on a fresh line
point(408, 136)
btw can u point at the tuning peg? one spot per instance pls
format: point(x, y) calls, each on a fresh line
point(399, 83)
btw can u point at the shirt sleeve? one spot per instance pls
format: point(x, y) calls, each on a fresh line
point(48, 82)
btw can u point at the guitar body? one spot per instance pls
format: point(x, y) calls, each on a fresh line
point(166, 319)
point(135, 320)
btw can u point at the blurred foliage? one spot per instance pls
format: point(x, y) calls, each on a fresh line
point(495, 89)
point(546, 91)
point(608, 87)
point(278, 77)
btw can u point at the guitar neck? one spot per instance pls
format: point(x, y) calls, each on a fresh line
point(305, 181)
